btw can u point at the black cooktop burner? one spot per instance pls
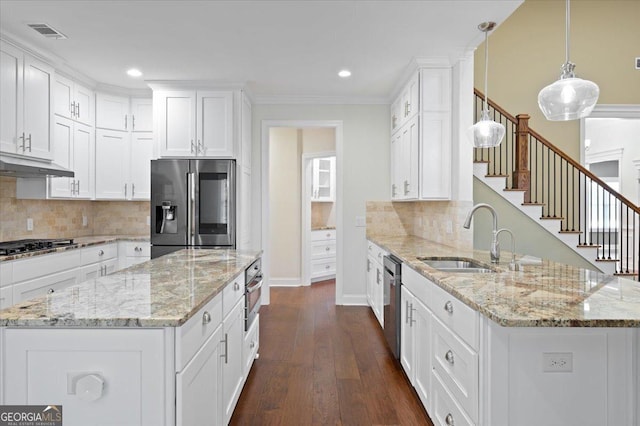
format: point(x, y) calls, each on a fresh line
point(24, 246)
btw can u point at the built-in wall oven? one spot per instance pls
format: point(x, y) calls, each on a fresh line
point(252, 293)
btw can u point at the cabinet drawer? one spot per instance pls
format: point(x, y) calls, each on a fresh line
point(41, 286)
point(141, 249)
point(323, 235)
point(445, 410)
point(195, 332)
point(320, 249)
point(98, 253)
point(418, 285)
point(233, 292)
point(251, 345)
point(376, 252)
point(6, 297)
point(44, 265)
point(323, 267)
point(457, 366)
point(460, 318)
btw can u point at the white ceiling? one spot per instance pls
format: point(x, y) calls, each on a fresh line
point(277, 48)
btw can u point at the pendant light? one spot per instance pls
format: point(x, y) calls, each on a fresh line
point(569, 98)
point(486, 133)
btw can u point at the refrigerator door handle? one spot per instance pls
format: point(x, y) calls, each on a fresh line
point(191, 187)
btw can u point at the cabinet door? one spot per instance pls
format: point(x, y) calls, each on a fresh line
point(83, 140)
point(63, 97)
point(198, 386)
point(215, 124)
point(245, 128)
point(371, 273)
point(232, 380)
point(176, 123)
point(396, 167)
point(11, 84)
point(435, 156)
point(84, 101)
point(112, 168)
point(378, 298)
point(412, 97)
point(38, 108)
point(422, 347)
point(396, 117)
point(407, 335)
point(63, 149)
point(410, 159)
point(112, 112)
point(141, 154)
point(141, 115)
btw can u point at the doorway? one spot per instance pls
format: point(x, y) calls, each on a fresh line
point(286, 209)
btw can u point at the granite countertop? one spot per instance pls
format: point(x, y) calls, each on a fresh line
point(163, 292)
point(323, 228)
point(548, 294)
point(79, 242)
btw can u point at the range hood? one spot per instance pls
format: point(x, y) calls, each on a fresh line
point(27, 168)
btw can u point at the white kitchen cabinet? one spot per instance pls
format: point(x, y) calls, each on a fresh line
point(141, 115)
point(245, 131)
point(98, 261)
point(376, 280)
point(323, 179)
point(133, 252)
point(26, 105)
point(44, 285)
point(122, 367)
point(244, 209)
point(323, 254)
point(123, 165)
point(194, 123)
point(198, 390)
point(112, 112)
point(112, 165)
point(251, 345)
point(232, 368)
point(421, 137)
point(73, 101)
point(73, 144)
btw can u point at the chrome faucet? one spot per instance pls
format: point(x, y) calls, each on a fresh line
point(513, 265)
point(494, 250)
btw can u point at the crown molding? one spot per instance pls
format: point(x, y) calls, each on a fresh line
point(195, 84)
point(320, 100)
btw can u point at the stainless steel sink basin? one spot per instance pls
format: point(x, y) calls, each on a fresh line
point(457, 265)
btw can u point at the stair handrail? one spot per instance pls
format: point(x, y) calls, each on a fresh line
point(562, 154)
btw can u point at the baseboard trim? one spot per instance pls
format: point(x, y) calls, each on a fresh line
point(353, 300)
point(285, 282)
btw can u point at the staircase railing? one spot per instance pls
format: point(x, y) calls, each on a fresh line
point(586, 205)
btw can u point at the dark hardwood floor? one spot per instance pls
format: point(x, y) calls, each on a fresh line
point(322, 364)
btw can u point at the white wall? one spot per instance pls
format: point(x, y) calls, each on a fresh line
point(363, 174)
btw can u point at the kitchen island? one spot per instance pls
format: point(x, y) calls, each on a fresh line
point(548, 344)
point(120, 349)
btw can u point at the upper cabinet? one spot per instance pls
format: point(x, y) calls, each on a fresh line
point(421, 137)
point(112, 112)
point(141, 115)
point(25, 104)
point(73, 101)
point(194, 123)
point(73, 147)
point(324, 179)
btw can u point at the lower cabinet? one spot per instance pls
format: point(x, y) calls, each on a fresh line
point(375, 281)
point(251, 345)
point(232, 367)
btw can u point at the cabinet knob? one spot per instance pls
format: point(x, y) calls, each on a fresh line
point(252, 345)
point(206, 318)
point(101, 253)
point(327, 267)
point(327, 249)
point(448, 307)
point(236, 286)
point(449, 357)
point(449, 420)
point(51, 291)
point(328, 234)
point(90, 387)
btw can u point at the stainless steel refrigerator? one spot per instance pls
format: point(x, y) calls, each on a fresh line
point(193, 204)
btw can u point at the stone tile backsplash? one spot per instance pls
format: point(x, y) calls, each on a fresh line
point(438, 221)
point(63, 218)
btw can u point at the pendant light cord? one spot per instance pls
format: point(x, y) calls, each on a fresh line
point(486, 70)
point(567, 24)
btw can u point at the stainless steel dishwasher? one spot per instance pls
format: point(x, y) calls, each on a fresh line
point(392, 281)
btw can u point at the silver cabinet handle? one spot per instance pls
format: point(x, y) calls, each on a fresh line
point(252, 345)
point(125, 121)
point(200, 147)
point(393, 190)
point(449, 420)
point(77, 109)
point(133, 190)
point(101, 252)
point(236, 286)
point(368, 265)
point(125, 190)
point(226, 348)
point(29, 138)
point(449, 357)
point(378, 276)
point(73, 186)
point(72, 108)
point(448, 307)
point(408, 108)
point(206, 318)
point(133, 122)
point(406, 305)
point(78, 188)
point(411, 309)
point(406, 187)
point(193, 146)
point(51, 291)
point(22, 137)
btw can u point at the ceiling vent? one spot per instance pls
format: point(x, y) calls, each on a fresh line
point(48, 31)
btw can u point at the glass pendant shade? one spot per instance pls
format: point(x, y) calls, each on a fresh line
point(569, 98)
point(486, 133)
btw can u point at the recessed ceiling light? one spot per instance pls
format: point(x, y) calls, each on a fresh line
point(134, 72)
point(344, 73)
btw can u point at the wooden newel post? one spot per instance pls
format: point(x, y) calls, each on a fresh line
point(521, 174)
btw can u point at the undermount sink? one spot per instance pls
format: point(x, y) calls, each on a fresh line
point(456, 265)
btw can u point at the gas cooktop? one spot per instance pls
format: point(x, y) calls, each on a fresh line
point(8, 248)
